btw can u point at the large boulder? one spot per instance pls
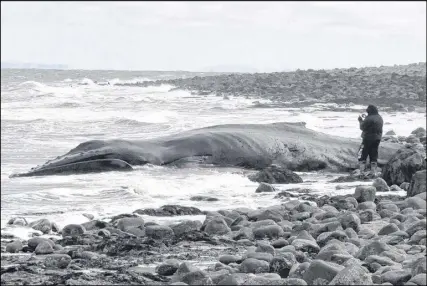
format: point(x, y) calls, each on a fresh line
point(403, 165)
point(275, 175)
point(418, 184)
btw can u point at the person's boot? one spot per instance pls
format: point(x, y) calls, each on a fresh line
point(362, 168)
point(373, 172)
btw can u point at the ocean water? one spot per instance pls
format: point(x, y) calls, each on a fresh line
point(46, 113)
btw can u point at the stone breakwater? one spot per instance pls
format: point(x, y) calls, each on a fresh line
point(387, 86)
point(357, 239)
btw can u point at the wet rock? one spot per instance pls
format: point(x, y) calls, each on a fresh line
point(244, 233)
point(44, 248)
point(352, 275)
point(168, 267)
point(325, 237)
point(94, 225)
point(282, 264)
point(43, 225)
point(367, 206)
point(388, 229)
point(186, 226)
point(227, 259)
point(279, 243)
point(416, 226)
point(170, 210)
point(321, 269)
point(381, 185)
point(418, 183)
point(265, 247)
point(265, 188)
point(14, 247)
point(251, 265)
point(127, 223)
point(419, 266)
point(419, 132)
point(73, 230)
point(396, 277)
point(403, 165)
point(275, 175)
point(419, 279)
point(306, 245)
point(217, 226)
point(183, 269)
point(368, 216)
point(372, 248)
point(396, 188)
point(203, 199)
point(351, 220)
point(365, 193)
point(269, 231)
point(18, 221)
point(35, 241)
point(416, 203)
point(159, 232)
point(418, 236)
point(260, 256)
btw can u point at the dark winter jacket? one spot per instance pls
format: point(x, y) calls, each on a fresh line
point(372, 126)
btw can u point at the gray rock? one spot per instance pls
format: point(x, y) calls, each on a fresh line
point(183, 269)
point(388, 229)
point(244, 233)
point(265, 188)
point(419, 279)
point(251, 265)
point(306, 245)
point(44, 248)
point(198, 277)
point(372, 248)
point(18, 221)
point(419, 266)
point(14, 246)
point(124, 224)
point(416, 203)
point(323, 238)
point(403, 165)
point(33, 242)
point(279, 243)
point(416, 226)
point(269, 231)
point(276, 175)
point(381, 185)
point(396, 277)
point(265, 247)
point(260, 256)
point(282, 264)
point(168, 267)
point(321, 269)
point(159, 232)
point(365, 193)
point(203, 199)
point(227, 259)
point(217, 226)
point(396, 188)
point(352, 275)
point(73, 230)
point(367, 206)
point(368, 216)
point(351, 220)
point(43, 225)
point(418, 236)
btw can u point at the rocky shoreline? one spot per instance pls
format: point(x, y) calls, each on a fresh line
point(399, 88)
point(370, 237)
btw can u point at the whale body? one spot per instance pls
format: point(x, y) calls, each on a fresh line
point(253, 146)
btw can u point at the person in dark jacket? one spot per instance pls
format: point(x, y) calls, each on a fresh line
point(372, 131)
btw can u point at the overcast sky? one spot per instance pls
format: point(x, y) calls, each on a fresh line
point(198, 35)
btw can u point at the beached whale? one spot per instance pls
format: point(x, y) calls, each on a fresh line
point(254, 146)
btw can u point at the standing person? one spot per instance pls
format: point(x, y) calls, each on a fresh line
point(372, 131)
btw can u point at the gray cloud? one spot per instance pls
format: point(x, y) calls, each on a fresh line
point(194, 35)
